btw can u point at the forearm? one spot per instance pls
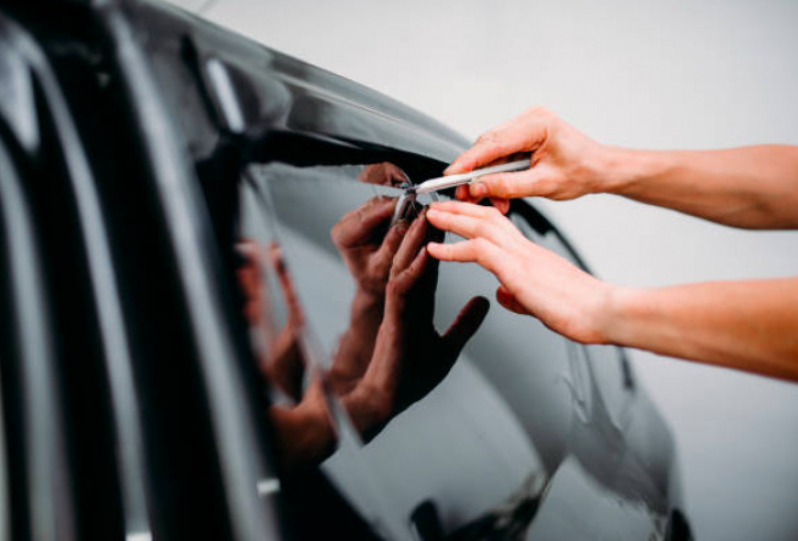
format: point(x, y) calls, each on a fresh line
point(356, 345)
point(751, 326)
point(752, 187)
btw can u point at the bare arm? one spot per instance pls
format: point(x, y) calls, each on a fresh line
point(750, 326)
point(752, 187)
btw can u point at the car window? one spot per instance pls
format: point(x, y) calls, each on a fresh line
point(461, 443)
point(468, 440)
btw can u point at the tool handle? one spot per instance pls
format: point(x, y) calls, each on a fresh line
point(451, 181)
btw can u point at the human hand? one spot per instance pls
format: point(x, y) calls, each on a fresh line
point(366, 248)
point(280, 358)
point(304, 432)
point(410, 357)
point(565, 164)
point(384, 174)
point(533, 280)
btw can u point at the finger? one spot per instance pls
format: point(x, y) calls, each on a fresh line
point(358, 225)
point(501, 204)
point(461, 193)
point(529, 183)
point(250, 268)
point(463, 252)
point(486, 150)
point(467, 227)
point(411, 244)
point(524, 133)
point(384, 173)
point(479, 251)
point(471, 209)
point(508, 300)
point(383, 259)
point(290, 297)
point(466, 209)
point(403, 281)
point(492, 226)
point(465, 325)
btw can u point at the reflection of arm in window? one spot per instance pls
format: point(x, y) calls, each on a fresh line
point(304, 433)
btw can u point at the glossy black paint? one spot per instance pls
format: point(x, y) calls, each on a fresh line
point(132, 403)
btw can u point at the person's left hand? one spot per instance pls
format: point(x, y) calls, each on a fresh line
point(533, 280)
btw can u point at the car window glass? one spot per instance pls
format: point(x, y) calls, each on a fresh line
point(409, 448)
point(483, 422)
point(599, 373)
point(304, 427)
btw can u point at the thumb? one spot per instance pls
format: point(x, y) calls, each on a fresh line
point(511, 185)
point(508, 300)
point(465, 325)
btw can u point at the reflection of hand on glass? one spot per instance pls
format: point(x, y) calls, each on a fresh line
point(410, 358)
point(279, 355)
point(384, 174)
point(303, 431)
point(367, 246)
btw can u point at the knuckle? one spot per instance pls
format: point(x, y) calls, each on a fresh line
point(392, 288)
point(487, 137)
point(539, 111)
point(335, 234)
point(502, 186)
point(493, 214)
point(481, 246)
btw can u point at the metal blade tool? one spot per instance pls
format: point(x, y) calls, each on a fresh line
point(411, 191)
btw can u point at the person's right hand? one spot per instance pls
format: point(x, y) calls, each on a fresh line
point(565, 164)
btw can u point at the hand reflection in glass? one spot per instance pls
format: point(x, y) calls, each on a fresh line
point(409, 357)
point(389, 357)
point(303, 430)
point(368, 252)
point(279, 356)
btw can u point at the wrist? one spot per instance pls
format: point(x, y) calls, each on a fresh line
point(617, 313)
point(614, 169)
point(366, 310)
point(627, 171)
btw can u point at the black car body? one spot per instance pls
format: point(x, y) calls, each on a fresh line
point(171, 197)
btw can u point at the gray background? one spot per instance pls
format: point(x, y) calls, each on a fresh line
point(666, 75)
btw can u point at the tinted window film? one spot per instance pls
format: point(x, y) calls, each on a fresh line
point(384, 419)
point(461, 438)
point(303, 429)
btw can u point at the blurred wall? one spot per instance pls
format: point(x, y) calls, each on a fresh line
point(650, 75)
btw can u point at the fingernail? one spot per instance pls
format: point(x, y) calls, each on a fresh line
point(479, 189)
